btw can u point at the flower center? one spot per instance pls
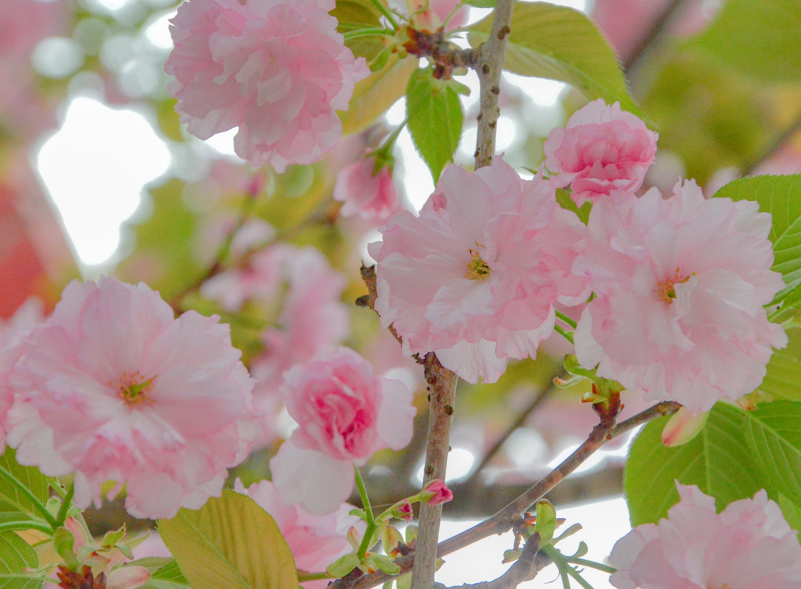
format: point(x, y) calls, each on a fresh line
point(477, 269)
point(133, 389)
point(666, 290)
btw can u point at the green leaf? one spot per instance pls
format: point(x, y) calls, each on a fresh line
point(230, 543)
point(354, 14)
point(434, 114)
point(375, 94)
point(344, 565)
point(12, 498)
point(783, 379)
point(773, 434)
point(717, 460)
point(791, 512)
point(564, 200)
point(756, 38)
point(560, 43)
point(167, 577)
point(781, 197)
point(16, 556)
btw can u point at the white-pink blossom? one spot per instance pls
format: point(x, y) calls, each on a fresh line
point(680, 284)
point(12, 331)
point(259, 278)
point(113, 387)
point(366, 192)
point(277, 69)
point(344, 414)
point(747, 546)
point(316, 541)
point(475, 277)
point(602, 149)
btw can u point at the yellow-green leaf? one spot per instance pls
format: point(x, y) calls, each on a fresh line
point(230, 543)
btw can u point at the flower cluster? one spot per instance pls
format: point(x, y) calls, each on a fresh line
point(748, 545)
point(113, 387)
point(679, 283)
point(277, 69)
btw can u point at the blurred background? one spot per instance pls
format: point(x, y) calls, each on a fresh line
point(97, 176)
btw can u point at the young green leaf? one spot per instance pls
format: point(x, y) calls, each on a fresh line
point(717, 460)
point(22, 488)
point(168, 576)
point(791, 512)
point(434, 114)
point(15, 557)
point(781, 197)
point(756, 38)
point(783, 379)
point(230, 543)
point(359, 14)
point(564, 200)
point(560, 43)
point(375, 94)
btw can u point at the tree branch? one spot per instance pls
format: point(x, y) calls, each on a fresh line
point(509, 516)
point(530, 563)
point(773, 147)
point(652, 35)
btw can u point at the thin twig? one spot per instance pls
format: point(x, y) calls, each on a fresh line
point(509, 516)
point(513, 427)
point(525, 568)
point(653, 34)
point(773, 148)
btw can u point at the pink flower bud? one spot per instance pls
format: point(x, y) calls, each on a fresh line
point(403, 511)
point(440, 493)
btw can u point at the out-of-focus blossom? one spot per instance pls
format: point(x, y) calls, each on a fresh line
point(437, 492)
point(276, 69)
point(113, 387)
point(366, 192)
point(602, 149)
point(316, 541)
point(12, 332)
point(431, 14)
point(344, 414)
point(680, 285)
point(260, 278)
point(475, 276)
point(748, 545)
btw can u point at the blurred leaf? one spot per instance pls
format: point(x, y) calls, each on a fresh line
point(374, 95)
point(15, 557)
point(564, 200)
point(230, 543)
point(354, 14)
point(434, 115)
point(12, 499)
point(757, 38)
point(168, 577)
point(773, 433)
point(561, 43)
point(781, 197)
point(718, 460)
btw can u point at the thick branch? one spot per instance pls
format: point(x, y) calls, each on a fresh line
point(489, 75)
point(530, 563)
point(652, 35)
point(509, 516)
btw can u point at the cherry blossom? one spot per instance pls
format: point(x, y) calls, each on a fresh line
point(439, 493)
point(315, 540)
point(748, 545)
point(113, 387)
point(344, 414)
point(680, 284)
point(260, 278)
point(366, 192)
point(602, 149)
point(475, 277)
point(277, 69)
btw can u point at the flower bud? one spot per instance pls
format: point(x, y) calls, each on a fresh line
point(436, 492)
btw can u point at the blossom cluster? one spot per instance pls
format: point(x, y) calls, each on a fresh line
point(679, 283)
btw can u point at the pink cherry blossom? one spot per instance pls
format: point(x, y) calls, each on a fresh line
point(366, 192)
point(344, 414)
point(12, 332)
point(602, 149)
point(316, 541)
point(748, 545)
point(113, 387)
point(475, 276)
point(680, 286)
point(260, 278)
point(277, 69)
point(441, 493)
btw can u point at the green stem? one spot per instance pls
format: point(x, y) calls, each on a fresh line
point(303, 577)
point(592, 564)
point(575, 574)
point(31, 497)
point(26, 525)
point(368, 509)
point(385, 11)
point(566, 319)
point(368, 32)
point(568, 335)
point(65, 505)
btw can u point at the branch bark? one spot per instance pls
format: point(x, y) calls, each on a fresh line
point(530, 563)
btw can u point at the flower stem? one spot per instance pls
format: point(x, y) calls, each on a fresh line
point(303, 577)
point(368, 509)
point(385, 11)
point(25, 525)
point(568, 335)
point(564, 318)
point(368, 32)
point(592, 564)
point(65, 506)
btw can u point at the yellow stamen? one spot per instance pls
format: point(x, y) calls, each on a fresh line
point(133, 389)
point(477, 269)
point(666, 290)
